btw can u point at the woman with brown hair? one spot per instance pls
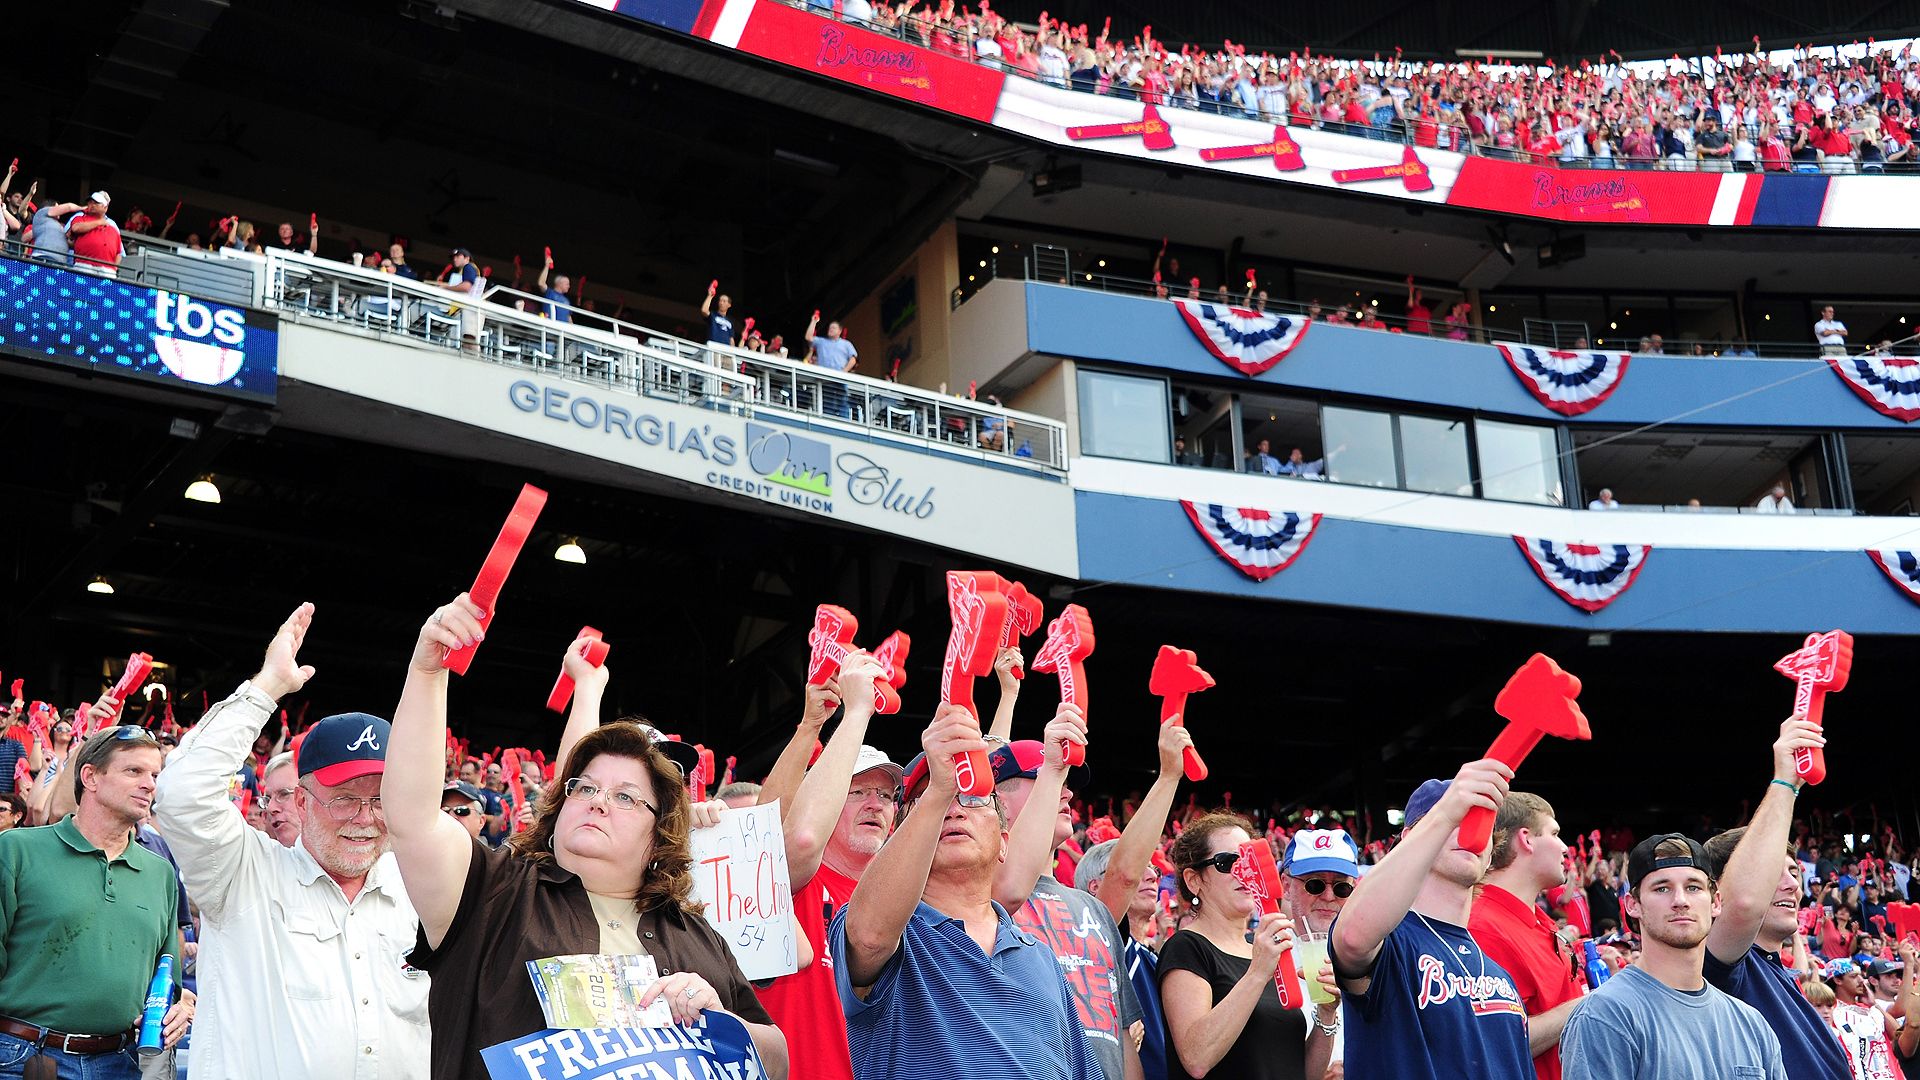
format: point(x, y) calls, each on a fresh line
point(1224, 1016)
point(604, 868)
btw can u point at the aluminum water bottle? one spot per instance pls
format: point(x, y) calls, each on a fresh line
point(1597, 972)
point(153, 1018)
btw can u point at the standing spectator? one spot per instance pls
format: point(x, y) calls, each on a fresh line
point(1419, 315)
point(278, 790)
point(558, 307)
point(1604, 501)
point(95, 237)
point(1713, 146)
point(1638, 146)
point(1421, 998)
point(719, 325)
point(1775, 501)
point(1298, 465)
point(930, 969)
point(1529, 857)
point(465, 281)
point(1262, 459)
point(1660, 1019)
point(13, 812)
point(1320, 868)
point(1867, 1034)
point(50, 233)
point(79, 941)
point(12, 752)
point(284, 238)
point(1184, 456)
point(835, 353)
point(1831, 333)
point(1458, 320)
point(461, 802)
point(397, 259)
point(283, 927)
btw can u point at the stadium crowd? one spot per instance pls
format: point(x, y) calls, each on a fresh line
point(358, 897)
point(1745, 111)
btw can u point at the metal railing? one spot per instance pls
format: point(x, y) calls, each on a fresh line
point(504, 325)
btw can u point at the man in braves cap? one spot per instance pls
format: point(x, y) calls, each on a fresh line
point(307, 943)
point(1659, 1019)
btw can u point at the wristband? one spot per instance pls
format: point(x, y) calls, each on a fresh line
point(1789, 785)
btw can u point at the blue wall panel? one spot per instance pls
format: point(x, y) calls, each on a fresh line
point(1086, 324)
point(1151, 542)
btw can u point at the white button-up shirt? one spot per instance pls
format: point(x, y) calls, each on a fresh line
point(295, 981)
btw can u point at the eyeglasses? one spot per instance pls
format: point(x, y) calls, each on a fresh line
point(1222, 861)
point(585, 790)
point(967, 802)
point(884, 794)
point(1316, 886)
point(458, 811)
point(283, 795)
point(348, 807)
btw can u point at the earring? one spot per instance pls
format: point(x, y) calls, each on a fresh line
point(1196, 902)
point(550, 844)
point(655, 865)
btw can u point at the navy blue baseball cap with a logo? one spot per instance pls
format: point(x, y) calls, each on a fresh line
point(343, 747)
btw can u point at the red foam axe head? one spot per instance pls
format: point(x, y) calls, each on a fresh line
point(1818, 668)
point(1025, 613)
point(978, 605)
point(1539, 700)
point(1177, 673)
point(1064, 653)
point(562, 691)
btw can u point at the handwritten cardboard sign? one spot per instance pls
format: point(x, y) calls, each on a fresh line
point(740, 872)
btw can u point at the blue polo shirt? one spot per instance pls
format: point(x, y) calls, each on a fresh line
point(833, 353)
point(557, 309)
point(943, 1009)
point(1807, 1046)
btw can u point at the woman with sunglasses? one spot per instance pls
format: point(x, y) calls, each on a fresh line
point(1224, 1016)
point(604, 868)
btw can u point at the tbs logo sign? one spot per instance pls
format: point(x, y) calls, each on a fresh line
point(197, 341)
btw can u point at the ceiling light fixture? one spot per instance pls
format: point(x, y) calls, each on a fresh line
point(100, 585)
point(570, 551)
point(204, 490)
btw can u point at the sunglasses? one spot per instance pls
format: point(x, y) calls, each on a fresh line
point(459, 811)
point(1316, 886)
point(1221, 861)
point(130, 732)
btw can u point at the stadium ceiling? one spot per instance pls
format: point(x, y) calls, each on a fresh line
point(1563, 29)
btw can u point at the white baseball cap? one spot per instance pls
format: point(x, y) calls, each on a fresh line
point(102, 198)
point(871, 759)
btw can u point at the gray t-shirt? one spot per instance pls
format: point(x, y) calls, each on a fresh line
point(1088, 946)
point(1636, 1027)
point(49, 237)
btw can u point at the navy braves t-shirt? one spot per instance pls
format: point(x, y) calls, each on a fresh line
point(1436, 1007)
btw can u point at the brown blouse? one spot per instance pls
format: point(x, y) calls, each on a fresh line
point(516, 909)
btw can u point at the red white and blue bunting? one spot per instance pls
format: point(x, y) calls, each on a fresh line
point(1569, 383)
point(1890, 384)
point(1902, 568)
point(1249, 342)
point(1259, 543)
point(1588, 576)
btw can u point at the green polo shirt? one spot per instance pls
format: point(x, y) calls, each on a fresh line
point(80, 936)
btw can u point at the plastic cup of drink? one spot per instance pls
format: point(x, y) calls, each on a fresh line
point(1309, 956)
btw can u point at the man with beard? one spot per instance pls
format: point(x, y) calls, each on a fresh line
point(1660, 1019)
point(935, 978)
point(278, 785)
point(304, 949)
point(1420, 997)
point(1759, 874)
point(1528, 859)
point(851, 790)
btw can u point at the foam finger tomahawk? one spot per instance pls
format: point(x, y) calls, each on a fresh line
point(1538, 701)
point(1069, 643)
point(1818, 668)
point(493, 573)
point(831, 640)
point(1256, 872)
point(1177, 673)
point(978, 605)
point(597, 650)
point(1024, 615)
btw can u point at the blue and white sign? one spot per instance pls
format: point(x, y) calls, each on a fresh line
point(717, 1048)
point(96, 324)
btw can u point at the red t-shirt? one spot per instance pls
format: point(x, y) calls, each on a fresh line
point(805, 1005)
point(1420, 319)
point(100, 246)
point(1516, 936)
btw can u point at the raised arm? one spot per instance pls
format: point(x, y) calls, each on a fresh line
point(1143, 831)
point(823, 794)
point(191, 809)
point(1030, 846)
point(1003, 664)
point(884, 901)
point(783, 782)
point(1386, 893)
point(1751, 879)
point(589, 689)
point(434, 851)
point(706, 305)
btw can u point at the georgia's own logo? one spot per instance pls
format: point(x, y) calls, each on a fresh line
point(199, 342)
point(793, 460)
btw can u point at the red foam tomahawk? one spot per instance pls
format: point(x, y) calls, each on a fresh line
point(1538, 701)
point(1905, 919)
point(1177, 673)
point(1153, 132)
point(829, 642)
point(493, 573)
point(1411, 172)
point(563, 686)
point(979, 606)
point(1064, 653)
point(1256, 872)
point(1025, 613)
point(1283, 150)
point(139, 665)
point(1818, 668)
point(892, 656)
point(702, 773)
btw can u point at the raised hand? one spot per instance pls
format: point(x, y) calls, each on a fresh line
point(1174, 742)
point(1069, 725)
point(1796, 734)
point(1005, 663)
point(584, 674)
point(1272, 937)
point(857, 674)
point(455, 626)
point(953, 731)
point(821, 703)
point(1479, 784)
point(102, 712)
point(282, 673)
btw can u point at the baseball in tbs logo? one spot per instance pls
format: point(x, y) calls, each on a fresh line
point(200, 342)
